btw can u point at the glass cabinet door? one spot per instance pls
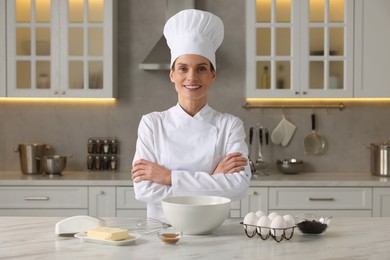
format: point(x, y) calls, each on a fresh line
point(87, 44)
point(299, 48)
point(61, 48)
point(329, 53)
point(31, 60)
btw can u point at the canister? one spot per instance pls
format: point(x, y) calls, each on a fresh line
point(30, 157)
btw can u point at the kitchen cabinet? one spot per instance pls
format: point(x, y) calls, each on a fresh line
point(102, 201)
point(2, 50)
point(331, 201)
point(372, 55)
point(127, 205)
point(43, 201)
point(381, 202)
point(299, 49)
point(61, 49)
point(257, 199)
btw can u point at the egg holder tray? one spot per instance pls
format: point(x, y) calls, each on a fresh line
point(271, 233)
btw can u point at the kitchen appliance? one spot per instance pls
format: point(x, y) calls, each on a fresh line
point(30, 157)
point(380, 159)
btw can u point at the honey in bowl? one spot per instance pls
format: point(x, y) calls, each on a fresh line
point(170, 235)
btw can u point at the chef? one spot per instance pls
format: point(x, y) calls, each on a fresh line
point(190, 149)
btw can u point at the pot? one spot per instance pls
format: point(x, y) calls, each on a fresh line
point(30, 157)
point(380, 159)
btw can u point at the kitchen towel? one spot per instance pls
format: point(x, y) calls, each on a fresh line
point(283, 132)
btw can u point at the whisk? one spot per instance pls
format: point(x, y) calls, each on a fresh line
point(149, 226)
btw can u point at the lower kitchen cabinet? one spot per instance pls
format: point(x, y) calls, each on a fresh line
point(101, 201)
point(381, 202)
point(127, 205)
point(257, 199)
point(331, 201)
point(43, 201)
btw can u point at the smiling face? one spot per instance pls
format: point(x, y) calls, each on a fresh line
point(192, 75)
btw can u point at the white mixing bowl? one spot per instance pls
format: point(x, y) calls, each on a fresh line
point(196, 215)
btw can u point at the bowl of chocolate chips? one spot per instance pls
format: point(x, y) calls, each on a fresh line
point(312, 224)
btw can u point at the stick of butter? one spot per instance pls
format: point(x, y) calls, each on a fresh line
point(108, 233)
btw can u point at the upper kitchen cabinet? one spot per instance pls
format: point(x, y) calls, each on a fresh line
point(58, 48)
point(2, 50)
point(372, 53)
point(299, 49)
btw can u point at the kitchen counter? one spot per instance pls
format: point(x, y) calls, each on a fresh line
point(310, 179)
point(346, 238)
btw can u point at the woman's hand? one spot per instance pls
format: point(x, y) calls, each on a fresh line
point(233, 162)
point(147, 170)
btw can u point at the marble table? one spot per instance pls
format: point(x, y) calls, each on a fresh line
point(346, 238)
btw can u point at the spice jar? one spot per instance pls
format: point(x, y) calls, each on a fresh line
point(98, 146)
point(90, 162)
point(91, 146)
point(114, 146)
point(113, 163)
point(106, 146)
point(106, 162)
point(98, 163)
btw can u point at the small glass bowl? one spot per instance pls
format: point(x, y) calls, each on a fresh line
point(169, 235)
point(312, 224)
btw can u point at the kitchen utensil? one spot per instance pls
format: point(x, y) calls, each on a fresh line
point(314, 143)
point(150, 226)
point(266, 232)
point(30, 157)
point(53, 164)
point(380, 159)
point(289, 166)
point(260, 163)
point(196, 215)
point(283, 132)
point(251, 164)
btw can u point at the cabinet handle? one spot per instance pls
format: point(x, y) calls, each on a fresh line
point(102, 192)
point(321, 199)
point(56, 92)
point(304, 92)
point(63, 92)
point(36, 198)
point(296, 93)
point(255, 193)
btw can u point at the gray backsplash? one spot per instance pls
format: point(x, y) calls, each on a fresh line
point(67, 126)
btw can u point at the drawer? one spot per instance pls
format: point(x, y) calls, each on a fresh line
point(125, 199)
point(320, 198)
point(43, 197)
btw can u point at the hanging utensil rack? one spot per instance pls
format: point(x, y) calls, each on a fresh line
point(339, 106)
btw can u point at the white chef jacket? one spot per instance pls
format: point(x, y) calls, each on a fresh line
point(191, 147)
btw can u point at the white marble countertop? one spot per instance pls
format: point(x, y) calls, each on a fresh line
point(346, 238)
point(274, 179)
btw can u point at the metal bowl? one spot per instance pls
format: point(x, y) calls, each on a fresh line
point(53, 164)
point(289, 166)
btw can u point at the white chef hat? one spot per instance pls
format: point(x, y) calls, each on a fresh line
point(194, 32)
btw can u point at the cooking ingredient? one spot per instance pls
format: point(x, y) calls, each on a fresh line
point(272, 215)
point(260, 213)
point(312, 227)
point(277, 224)
point(251, 220)
point(290, 220)
point(263, 225)
point(108, 233)
point(170, 238)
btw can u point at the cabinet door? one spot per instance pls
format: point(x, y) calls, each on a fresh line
point(32, 48)
point(61, 48)
point(372, 41)
point(299, 49)
point(87, 48)
point(257, 199)
point(381, 207)
point(102, 201)
point(2, 50)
